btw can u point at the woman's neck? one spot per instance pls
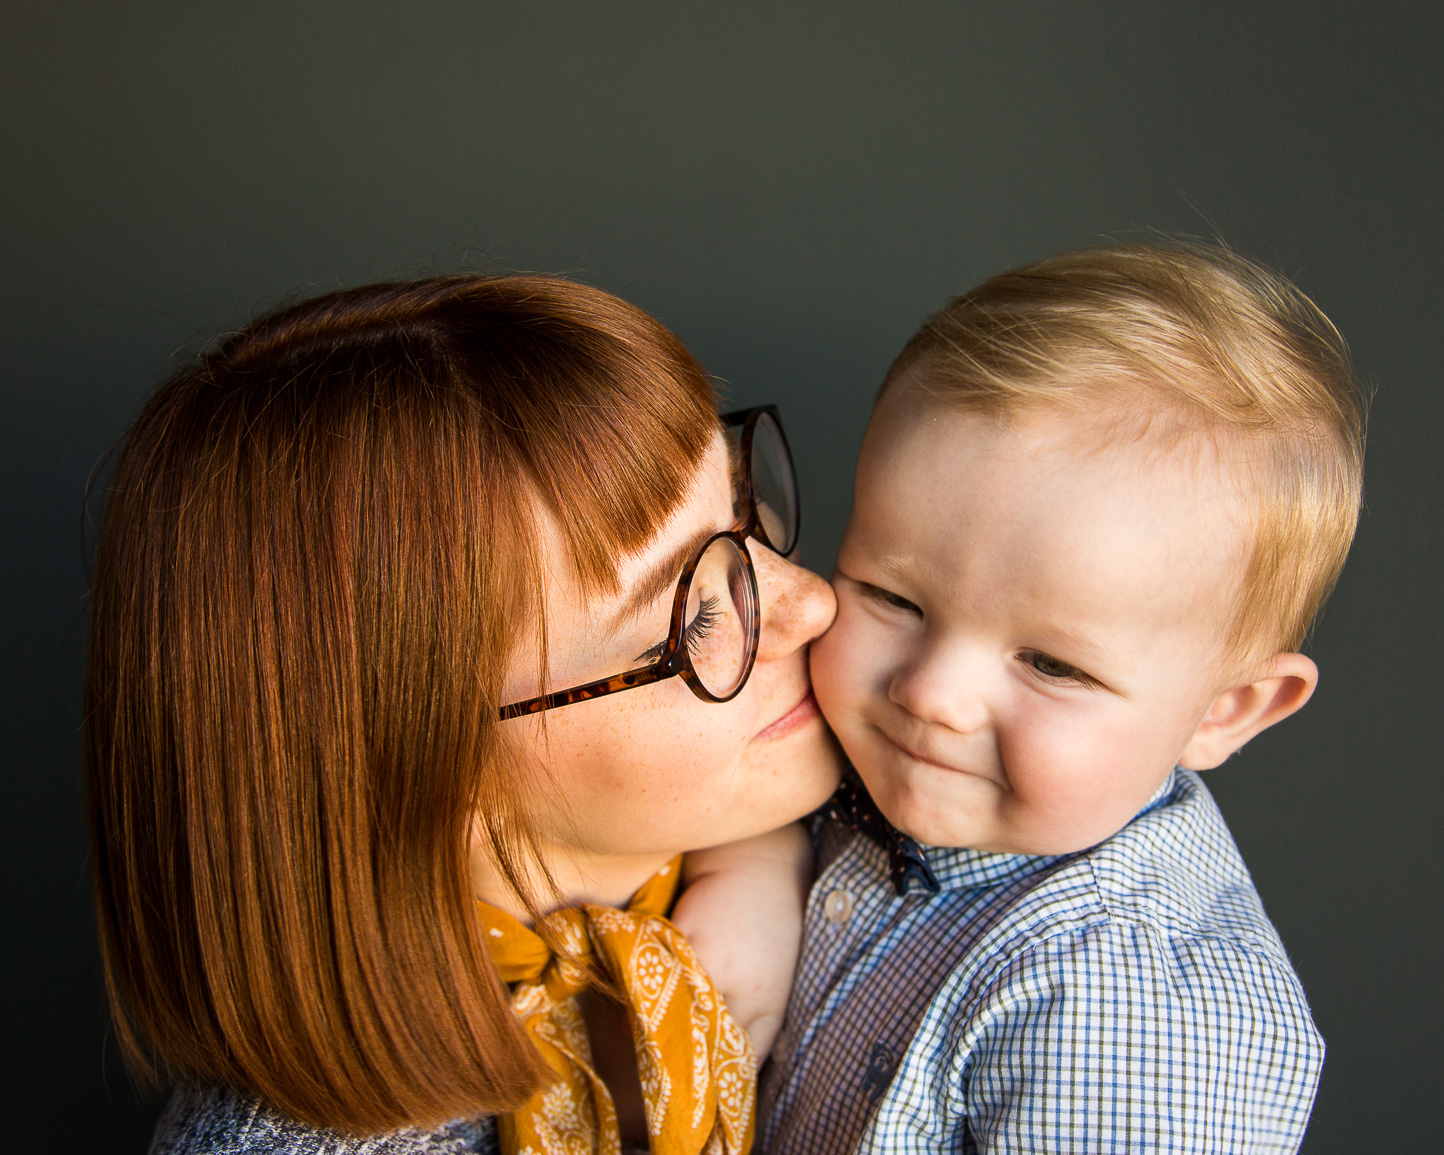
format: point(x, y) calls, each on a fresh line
point(606, 880)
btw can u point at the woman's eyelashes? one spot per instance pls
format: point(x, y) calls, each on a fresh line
point(1056, 670)
point(706, 619)
point(702, 624)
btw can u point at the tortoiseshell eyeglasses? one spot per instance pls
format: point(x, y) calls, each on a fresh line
point(716, 612)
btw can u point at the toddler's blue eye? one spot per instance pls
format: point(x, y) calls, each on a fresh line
point(1051, 667)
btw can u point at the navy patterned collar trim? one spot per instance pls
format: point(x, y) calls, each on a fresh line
point(853, 807)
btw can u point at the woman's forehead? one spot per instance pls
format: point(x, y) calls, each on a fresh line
point(706, 508)
point(649, 574)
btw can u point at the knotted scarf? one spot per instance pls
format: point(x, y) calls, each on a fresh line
point(697, 1068)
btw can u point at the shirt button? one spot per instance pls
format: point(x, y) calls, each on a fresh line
point(837, 906)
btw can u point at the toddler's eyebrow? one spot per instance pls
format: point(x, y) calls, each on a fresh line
point(894, 564)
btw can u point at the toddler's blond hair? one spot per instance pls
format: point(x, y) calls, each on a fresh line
point(1196, 339)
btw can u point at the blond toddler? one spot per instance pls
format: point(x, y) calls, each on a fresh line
point(1100, 500)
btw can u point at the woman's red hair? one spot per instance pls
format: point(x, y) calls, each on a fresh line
point(317, 555)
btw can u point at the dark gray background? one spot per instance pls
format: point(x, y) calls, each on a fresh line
point(791, 187)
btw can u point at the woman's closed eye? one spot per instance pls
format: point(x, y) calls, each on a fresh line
point(1055, 669)
point(702, 624)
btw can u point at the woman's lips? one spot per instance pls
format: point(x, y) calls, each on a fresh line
point(798, 716)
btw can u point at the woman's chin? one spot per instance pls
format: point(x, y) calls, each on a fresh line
point(833, 761)
point(814, 762)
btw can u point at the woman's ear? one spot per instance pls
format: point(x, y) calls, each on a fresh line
point(1280, 686)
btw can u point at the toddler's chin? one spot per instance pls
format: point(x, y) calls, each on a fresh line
point(911, 813)
point(929, 831)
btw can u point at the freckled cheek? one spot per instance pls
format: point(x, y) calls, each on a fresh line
point(606, 752)
point(685, 749)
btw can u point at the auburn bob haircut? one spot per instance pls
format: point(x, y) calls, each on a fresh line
point(318, 551)
point(1179, 340)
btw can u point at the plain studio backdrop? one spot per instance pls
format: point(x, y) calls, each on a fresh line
point(791, 187)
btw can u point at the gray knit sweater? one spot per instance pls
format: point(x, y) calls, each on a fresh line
point(219, 1121)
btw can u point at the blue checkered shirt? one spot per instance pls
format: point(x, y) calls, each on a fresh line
point(1131, 997)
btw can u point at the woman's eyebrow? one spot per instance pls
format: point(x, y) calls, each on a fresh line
point(660, 577)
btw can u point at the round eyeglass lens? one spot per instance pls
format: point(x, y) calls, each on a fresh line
point(722, 619)
point(774, 485)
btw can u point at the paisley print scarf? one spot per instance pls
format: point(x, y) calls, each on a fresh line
point(697, 1068)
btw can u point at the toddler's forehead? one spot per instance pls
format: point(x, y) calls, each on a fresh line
point(1135, 437)
point(1126, 501)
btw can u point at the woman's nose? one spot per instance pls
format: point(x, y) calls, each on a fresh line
point(940, 690)
point(797, 605)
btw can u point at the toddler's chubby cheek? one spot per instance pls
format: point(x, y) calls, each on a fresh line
point(822, 658)
point(838, 680)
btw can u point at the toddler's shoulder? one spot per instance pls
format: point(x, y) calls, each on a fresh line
point(1170, 886)
point(1177, 869)
point(1158, 924)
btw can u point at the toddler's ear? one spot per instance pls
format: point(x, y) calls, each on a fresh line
point(1281, 685)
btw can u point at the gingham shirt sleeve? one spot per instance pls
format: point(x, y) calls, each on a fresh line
point(1111, 1038)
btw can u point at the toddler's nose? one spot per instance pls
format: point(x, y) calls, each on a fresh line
point(940, 689)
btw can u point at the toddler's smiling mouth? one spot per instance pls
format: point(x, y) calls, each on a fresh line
point(923, 758)
point(965, 769)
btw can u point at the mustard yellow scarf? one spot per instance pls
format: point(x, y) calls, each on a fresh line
point(696, 1063)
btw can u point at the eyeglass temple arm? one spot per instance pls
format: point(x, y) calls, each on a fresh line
point(642, 676)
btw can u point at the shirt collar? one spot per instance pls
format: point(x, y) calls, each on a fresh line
point(935, 868)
